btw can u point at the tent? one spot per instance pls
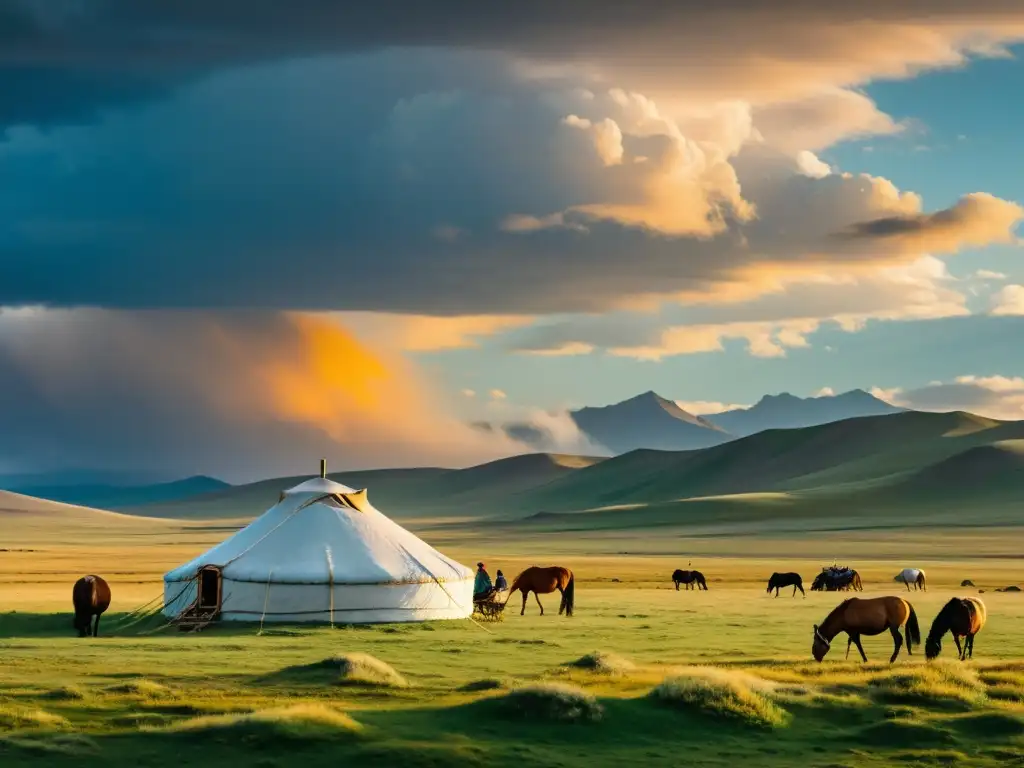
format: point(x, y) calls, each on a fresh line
point(321, 554)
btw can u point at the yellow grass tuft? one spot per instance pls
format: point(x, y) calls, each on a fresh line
point(141, 687)
point(722, 693)
point(545, 702)
point(939, 683)
point(298, 721)
point(15, 718)
point(356, 669)
point(605, 663)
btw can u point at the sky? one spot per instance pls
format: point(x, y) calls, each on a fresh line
point(237, 237)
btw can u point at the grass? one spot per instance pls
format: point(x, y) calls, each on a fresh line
point(721, 693)
point(605, 663)
point(297, 722)
point(728, 664)
point(359, 669)
point(550, 702)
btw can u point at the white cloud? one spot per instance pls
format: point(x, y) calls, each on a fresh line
point(497, 394)
point(469, 393)
point(988, 274)
point(825, 392)
point(1009, 300)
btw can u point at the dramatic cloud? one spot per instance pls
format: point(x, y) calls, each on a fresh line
point(332, 208)
point(769, 326)
point(998, 397)
point(238, 394)
point(76, 57)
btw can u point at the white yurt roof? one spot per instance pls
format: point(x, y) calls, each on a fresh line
point(323, 532)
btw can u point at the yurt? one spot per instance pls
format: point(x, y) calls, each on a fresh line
point(321, 554)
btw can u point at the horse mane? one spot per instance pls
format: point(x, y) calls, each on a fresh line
point(835, 611)
point(943, 616)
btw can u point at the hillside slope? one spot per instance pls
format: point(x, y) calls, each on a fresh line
point(106, 496)
point(400, 493)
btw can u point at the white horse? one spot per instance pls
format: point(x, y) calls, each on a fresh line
point(910, 576)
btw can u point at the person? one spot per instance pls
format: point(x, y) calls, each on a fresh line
point(500, 584)
point(482, 584)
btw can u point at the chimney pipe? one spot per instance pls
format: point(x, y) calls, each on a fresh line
point(323, 467)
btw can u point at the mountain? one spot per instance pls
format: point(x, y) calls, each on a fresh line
point(106, 496)
point(786, 411)
point(647, 421)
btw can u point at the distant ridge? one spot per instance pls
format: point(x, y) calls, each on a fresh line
point(786, 411)
point(866, 471)
point(647, 421)
point(119, 497)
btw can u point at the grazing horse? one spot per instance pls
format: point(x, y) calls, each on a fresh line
point(543, 581)
point(837, 581)
point(963, 617)
point(910, 576)
point(779, 580)
point(689, 578)
point(867, 616)
point(91, 597)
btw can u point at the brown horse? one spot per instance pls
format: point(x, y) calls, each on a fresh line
point(543, 581)
point(91, 597)
point(867, 616)
point(963, 617)
point(689, 578)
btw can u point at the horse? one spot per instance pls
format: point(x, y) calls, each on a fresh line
point(867, 616)
point(786, 580)
point(910, 576)
point(91, 597)
point(962, 617)
point(543, 581)
point(837, 581)
point(689, 578)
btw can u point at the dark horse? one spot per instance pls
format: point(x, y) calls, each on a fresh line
point(91, 597)
point(963, 617)
point(689, 578)
point(837, 581)
point(779, 580)
point(867, 616)
point(543, 581)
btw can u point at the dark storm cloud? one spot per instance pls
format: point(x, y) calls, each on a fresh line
point(83, 56)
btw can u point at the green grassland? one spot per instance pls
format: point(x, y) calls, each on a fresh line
point(642, 674)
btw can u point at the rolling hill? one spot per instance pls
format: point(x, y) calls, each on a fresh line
point(401, 493)
point(877, 470)
point(106, 496)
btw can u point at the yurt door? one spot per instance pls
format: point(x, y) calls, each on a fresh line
point(209, 588)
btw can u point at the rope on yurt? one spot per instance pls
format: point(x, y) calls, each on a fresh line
point(289, 516)
point(330, 583)
point(442, 586)
point(266, 602)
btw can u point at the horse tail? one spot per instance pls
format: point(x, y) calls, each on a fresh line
point(921, 580)
point(913, 628)
point(569, 596)
point(515, 586)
